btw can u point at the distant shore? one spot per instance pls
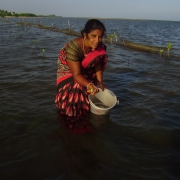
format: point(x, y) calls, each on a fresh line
point(143, 20)
point(28, 17)
point(18, 17)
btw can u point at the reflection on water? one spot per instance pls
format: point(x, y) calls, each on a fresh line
point(138, 139)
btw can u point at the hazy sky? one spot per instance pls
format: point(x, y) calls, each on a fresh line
point(130, 9)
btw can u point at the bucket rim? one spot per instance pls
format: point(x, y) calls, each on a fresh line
point(91, 103)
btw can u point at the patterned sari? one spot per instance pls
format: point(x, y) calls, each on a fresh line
point(72, 98)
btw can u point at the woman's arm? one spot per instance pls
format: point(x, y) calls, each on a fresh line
point(98, 69)
point(75, 69)
point(99, 74)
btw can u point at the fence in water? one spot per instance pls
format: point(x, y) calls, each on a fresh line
point(163, 51)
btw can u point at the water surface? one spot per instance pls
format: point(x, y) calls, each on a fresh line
point(139, 139)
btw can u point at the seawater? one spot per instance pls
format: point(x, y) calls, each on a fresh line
point(139, 139)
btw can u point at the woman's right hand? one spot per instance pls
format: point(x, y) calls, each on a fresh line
point(92, 89)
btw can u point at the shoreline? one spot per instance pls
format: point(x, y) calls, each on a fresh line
point(32, 17)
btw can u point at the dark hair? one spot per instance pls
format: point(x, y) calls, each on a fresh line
point(91, 25)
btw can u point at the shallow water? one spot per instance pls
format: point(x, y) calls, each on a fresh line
point(139, 139)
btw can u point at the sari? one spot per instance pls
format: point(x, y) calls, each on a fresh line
point(72, 98)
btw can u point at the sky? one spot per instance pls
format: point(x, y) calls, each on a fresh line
point(125, 9)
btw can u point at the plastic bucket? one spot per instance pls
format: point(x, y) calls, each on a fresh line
point(102, 102)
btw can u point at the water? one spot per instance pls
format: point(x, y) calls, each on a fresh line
point(138, 140)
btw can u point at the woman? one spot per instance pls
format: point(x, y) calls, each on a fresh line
point(81, 63)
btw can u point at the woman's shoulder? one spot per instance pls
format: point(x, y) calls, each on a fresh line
point(102, 45)
point(74, 44)
point(73, 50)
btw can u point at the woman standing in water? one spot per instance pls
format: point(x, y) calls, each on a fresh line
point(81, 64)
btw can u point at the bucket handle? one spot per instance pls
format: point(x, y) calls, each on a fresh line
point(117, 102)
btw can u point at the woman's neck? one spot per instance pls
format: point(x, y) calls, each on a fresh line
point(85, 46)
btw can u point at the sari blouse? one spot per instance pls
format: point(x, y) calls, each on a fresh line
point(72, 51)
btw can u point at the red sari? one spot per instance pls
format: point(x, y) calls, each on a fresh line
point(72, 98)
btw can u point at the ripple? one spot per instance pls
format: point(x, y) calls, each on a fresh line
point(141, 133)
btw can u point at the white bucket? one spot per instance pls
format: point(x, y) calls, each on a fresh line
point(102, 102)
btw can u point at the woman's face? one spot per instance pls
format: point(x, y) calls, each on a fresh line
point(94, 38)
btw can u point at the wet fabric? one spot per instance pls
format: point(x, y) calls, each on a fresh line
point(72, 98)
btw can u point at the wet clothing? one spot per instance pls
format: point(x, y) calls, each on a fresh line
point(72, 98)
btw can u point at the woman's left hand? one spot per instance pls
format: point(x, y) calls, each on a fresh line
point(101, 85)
